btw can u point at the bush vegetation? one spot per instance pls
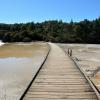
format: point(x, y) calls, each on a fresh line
point(55, 31)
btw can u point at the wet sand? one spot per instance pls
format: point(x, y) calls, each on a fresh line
point(18, 64)
point(88, 56)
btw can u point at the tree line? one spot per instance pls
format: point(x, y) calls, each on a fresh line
point(85, 31)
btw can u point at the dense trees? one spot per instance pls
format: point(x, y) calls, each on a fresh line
point(56, 31)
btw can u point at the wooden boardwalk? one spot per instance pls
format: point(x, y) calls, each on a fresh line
point(59, 79)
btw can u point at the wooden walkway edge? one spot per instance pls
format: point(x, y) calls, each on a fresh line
point(85, 75)
point(59, 79)
point(23, 95)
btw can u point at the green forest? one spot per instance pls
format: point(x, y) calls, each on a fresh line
point(85, 31)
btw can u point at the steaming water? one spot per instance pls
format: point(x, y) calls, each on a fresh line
point(18, 64)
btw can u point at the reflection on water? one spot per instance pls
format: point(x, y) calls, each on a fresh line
point(18, 64)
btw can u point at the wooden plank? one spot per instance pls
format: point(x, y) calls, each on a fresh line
point(59, 79)
point(87, 78)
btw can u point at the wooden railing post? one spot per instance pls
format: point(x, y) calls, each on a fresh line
point(69, 52)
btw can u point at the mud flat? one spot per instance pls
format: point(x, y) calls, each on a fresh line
point(18, 64)
point(88, 56)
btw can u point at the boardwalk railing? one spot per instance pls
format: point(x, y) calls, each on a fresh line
point(23, 95)
point(97, 92)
